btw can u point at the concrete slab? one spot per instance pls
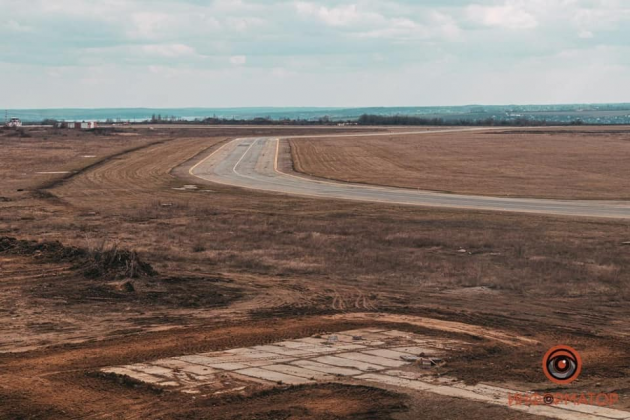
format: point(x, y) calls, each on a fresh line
point(367, 335)
point(344, 362)
point(196, 370)
point(199, 360)
point(293, 344)
point(387, 353)
point(231, 358)
point(301, 372)
point(324, 368)
point(376, 360)
point(234, 362)
point(171, 363)
point(345, 347)
point(253, 353)
point(368, 339)
point(311, 340)
point(272, 376)
point(417, 351)
point(143, 377)
point(284, 351)
point(228, 366)
point(318, 348)
point(343, 338)
point(152, 370)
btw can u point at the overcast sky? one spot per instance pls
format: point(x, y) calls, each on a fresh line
point(228, 53)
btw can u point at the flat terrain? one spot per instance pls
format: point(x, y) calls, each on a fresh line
point(237, 268)
point(258, 164)
point(565, 163)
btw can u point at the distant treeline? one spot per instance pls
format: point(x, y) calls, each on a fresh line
point(409, 120)
point(365, 119)
point(158, 119)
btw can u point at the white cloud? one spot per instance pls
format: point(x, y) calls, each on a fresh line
point(238, 60)
point(244, 23)
point(511, 15)
point(337, 16)
point(281, 72)
point(147, 24)
point(169, 50)
point(586, 34)
point(15, 26)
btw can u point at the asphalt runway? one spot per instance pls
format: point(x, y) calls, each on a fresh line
point(252, 163)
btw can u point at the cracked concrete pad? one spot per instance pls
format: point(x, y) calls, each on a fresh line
point(254, 353)
point(318, 348)
point(196, 369)
point(343, 362)
point(387, 354)
point(228, 366)
point(376, 360)
point(324, 368)
point(237, 361)
point(417, 351)
point(272, 376)
point(371, 359)
point(171, 363)
point(302, 372)
point(285, 351)
point(152, 370)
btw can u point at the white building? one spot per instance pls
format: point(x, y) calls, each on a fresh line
point(89, 125)
point(14, 122)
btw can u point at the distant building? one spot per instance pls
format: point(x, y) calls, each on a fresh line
point(89, 125)
point(14, 122)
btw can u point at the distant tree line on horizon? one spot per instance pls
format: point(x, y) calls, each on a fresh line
point(158, 119)
point(367, 119)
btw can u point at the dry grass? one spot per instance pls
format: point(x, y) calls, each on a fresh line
point(55, 151)
point(131, 201)
point(586, 163)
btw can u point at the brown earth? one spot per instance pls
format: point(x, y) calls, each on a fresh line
point(238, 268)
point(567, 163)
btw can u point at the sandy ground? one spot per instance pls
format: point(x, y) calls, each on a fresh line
point(238, 268)
point(567, 163)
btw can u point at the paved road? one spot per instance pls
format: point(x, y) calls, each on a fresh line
point(252, 163)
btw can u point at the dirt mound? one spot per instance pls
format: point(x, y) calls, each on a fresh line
point(99, 263)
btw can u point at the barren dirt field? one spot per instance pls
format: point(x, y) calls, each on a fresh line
point(128, 260)
point(565, 163)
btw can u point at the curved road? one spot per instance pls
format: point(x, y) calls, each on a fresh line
point(253, 163)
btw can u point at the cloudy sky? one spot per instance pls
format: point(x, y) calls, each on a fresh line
point(228, 53)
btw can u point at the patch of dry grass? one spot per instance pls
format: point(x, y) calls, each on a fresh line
point(589, 163)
